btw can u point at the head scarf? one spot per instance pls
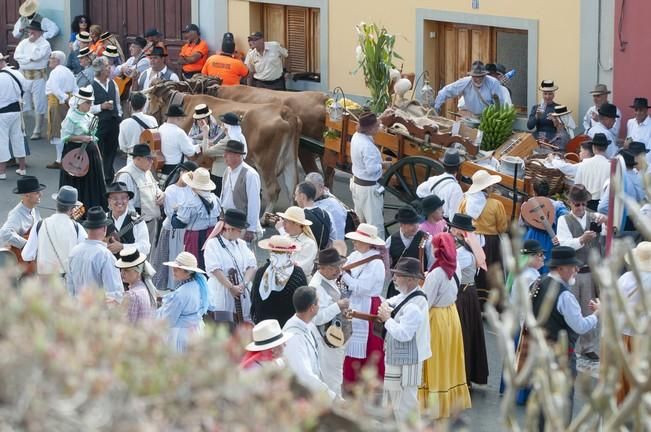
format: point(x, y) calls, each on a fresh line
point(445, 253)
point(277, 274)
point(203, 292)
point(147, 272)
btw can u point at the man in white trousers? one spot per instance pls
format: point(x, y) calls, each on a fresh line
point(12, 84)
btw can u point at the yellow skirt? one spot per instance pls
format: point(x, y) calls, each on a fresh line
point(445, 391)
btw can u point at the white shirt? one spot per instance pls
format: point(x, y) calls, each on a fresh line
point(267, 66)
point(60, 83)
point(150, 74)
point(569, 307)
point(305, 257)
point(50, 29)
point(473, 103)
point(140, 234)
point(593, 173)
point(412, 319)
point(141, 66)
point(588, 122)
point(98, 108)
point(407, 242)
point(175, 143)
point(613, 148)
point(366, 158)
point(628, 288)
point(337, 213)
point(564, 235)
point(130, 131)
point(328, 307)
point(33, 55)
point(302, 355)
point(448, 190)
point(252, 193)
point(441, 291)
point(47, 260)
point(640, 132)
point(10, 91)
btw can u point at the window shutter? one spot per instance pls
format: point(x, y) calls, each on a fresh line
point(297, 38)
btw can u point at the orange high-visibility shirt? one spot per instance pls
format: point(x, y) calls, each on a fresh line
point(188, 49)
point(229, 69)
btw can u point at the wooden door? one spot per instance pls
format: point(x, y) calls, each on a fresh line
point(461, 44)
point(9, 12)
point(275, 28)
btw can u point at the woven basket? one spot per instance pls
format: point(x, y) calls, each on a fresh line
point(535, 169)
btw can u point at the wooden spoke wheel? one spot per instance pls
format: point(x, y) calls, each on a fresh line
point(401, 180)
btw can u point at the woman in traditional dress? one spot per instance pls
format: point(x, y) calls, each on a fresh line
point(140, 296)
point(444, 389)
point(432, 209)
point(75, 132)
point(275, 282)
point(170, 239)
point(296, 226)
point(470, 256)
point(185, 307)
point(489, 219)
point(199, 214)
point(363, 277)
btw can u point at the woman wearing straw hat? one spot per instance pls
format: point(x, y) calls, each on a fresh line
point(539, 118)
point(170, 239)
point(267, 346)
point(185, 307)
point(140, 295)
point(444, 374)
point(275, 282)
point(363, 277)
point(75, 131)
point(199, 214)
point(295, 226)
point(489, 219)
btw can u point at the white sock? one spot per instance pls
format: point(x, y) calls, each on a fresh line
point(59, 147)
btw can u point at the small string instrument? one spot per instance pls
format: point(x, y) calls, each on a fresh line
point(76, 162)
point(152, 138)
point(115, 236)
point(539, 213)
point(337, 332)
point(238, 315)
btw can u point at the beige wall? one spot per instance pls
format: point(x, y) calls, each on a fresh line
point(558, 35)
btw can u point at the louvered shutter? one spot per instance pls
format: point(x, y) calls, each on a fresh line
point(297, 39)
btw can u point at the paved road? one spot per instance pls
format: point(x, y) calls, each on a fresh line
point(485, 414)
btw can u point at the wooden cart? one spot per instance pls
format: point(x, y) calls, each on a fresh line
point(418, 159)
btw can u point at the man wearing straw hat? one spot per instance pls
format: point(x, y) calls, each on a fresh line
point(32, 55)
point(83, 40)
point(59, 88)
point(91, 264)
point(267, 345)
point(28, 12)
point(599, 97)
point(86, 75)
point(13, 84)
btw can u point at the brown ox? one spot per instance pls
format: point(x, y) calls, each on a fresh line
point(272, 133)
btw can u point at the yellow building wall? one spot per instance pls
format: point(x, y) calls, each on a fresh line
point(558, 35)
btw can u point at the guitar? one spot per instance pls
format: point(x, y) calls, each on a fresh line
point(76, 162)
point(234, 278)
point(152, 138)
point(115, 236)
point(337, 332)
point(539, 212)
point(378, 325)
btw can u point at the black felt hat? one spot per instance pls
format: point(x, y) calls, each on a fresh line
point(431, 203)
point(152, 32)
point(236, 218)
point(175, 111)
point(141, 150)
point(637, 147)
point(329, 257)
point(563, 255)
point(230, 118)
point(234, 146)
point(640, 103)
point(28, 184)
point(408, 215)
point(118, 187)
point(157, 52)
point(600, 140)
point(408, 267)
point(96, 218)
point(451, 158)
point(629, 158)
point(35, 25)
point(462, 221)
point(531, 247)
point(608, 110)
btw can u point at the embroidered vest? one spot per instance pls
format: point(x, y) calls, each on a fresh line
point(145, 196)
point(401, 353)
point(556, 321)
point(102, 96)
point(126, 237)
point(576, 230)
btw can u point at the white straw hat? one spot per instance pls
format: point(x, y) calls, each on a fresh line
point(198, 179)
point(185, 261)
point(295, 214)
point(130, 257)
point(277, 243)
point(267, 334)
point(85, 93)
point(366, 234)
point(201, 111)
point(642, 256)
point(482, 179)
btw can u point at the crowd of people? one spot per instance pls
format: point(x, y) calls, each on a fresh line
point(165, 238)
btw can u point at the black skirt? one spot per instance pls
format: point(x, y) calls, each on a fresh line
point(278, 305)
point(493, 257)
point(91, 187)
point(472, 328)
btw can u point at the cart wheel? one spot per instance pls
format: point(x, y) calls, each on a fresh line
point(402, 179)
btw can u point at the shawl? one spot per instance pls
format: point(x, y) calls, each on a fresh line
point(276, 275)
point(445, 253)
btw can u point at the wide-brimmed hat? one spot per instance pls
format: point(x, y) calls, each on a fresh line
point(201, 111)
point(563, 255)
point(28, 184)
point(118, 187)
point(35, 25)
point(236, 218)
point(367, 119)
point(641, 256)
point(84, 52)
point(295, 214)
point(29, 8)
point(84, 36)
point(141, 150)
point(266, 335)
point(151, 32)
point(531, 247)
point(198, 179)
point(104, 35)
point(600, 140)
point(329, 257)
point(629, 158)
point(67, 196)
point(560, 110)
point(482, 179)
point(462, 221)
point(230, 118)
point(478, 69)
point(547, 86)
point(366, 233)
point(600, 89)
point(175, 110)
point(637, 147)
point(234, 146)
point(157, 52)
point(451, 158)
point(640, 103)
point(85, 93)
point(111, 51)
point(579, 193)
point(408, 267)
point(130, 257)
point(278, 243)
point(96, 218)
point(186, 261)
point(431, 203)
point(608, 110)
point(256, 35)
point(408, 215)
